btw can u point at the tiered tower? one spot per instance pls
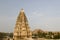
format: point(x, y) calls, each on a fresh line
point(22, 29)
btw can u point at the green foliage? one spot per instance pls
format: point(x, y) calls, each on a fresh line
point(6, 34)
point(11, 35)
point(48, 35)
point(3, 35)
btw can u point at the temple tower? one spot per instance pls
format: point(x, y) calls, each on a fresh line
point(22, 29)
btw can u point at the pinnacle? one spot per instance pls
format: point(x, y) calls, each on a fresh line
point(22, 10)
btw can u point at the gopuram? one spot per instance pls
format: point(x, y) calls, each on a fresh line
point(22, 29)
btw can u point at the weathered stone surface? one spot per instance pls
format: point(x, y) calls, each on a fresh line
point(22, 29)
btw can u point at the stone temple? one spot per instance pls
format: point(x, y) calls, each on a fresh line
point(22, 29)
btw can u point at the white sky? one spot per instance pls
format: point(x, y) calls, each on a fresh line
point(41, 14)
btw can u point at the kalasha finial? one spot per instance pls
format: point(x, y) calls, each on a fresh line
point(22, 10)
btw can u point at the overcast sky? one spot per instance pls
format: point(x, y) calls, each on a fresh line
point(41, 14)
